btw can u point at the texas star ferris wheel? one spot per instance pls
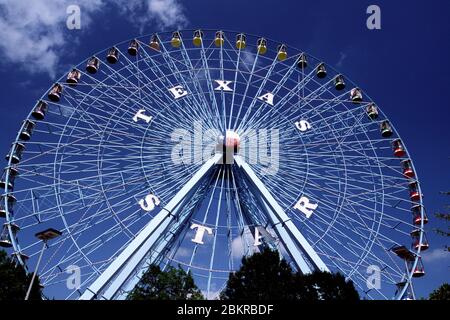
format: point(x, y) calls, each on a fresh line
point(196, 148)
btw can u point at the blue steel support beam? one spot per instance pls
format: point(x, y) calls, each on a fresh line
point(289, 234)
point(111, 280)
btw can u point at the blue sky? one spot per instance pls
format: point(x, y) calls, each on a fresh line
point(404, 66)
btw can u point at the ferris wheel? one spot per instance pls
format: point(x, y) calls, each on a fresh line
point(196, 148)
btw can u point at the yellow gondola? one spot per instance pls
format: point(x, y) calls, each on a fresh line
point(219, 39)
point(176, 40)
point(262, 46)
point(282, 53)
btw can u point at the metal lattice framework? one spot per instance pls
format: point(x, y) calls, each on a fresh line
point(124, 161)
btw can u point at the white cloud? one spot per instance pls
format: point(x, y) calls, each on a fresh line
point(342, 57)
point(237, 247)
point(163, 13)
point(34, 33)
point(167, 13)
point(436, 255)
point(183, 252)
point(247, 60)
point(243, 245)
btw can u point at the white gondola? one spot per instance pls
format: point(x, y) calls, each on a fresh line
point(113, 55)
point(73, 77)
point(93, 65)
point(55, 92)
point(27, 130)
point(12, 173)
point(133, 47)
point(339, 82)
point(372, 111)
point(321, 71)
point(5, 242)
point(40, 110)
point(11, 200)
point(302, 61)
point(386, 129)
point(16, 153)
point(356, 95)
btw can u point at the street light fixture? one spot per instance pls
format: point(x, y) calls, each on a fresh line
point(44, 236)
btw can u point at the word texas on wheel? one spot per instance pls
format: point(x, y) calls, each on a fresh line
point(197, 148)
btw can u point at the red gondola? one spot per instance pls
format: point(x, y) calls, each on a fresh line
point(398, 148)
point(414, 193)
point(417, 244)
point(407, 168)
point(419, 270)
point(417, 215)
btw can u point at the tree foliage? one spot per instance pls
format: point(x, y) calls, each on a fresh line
point(445, 217)
point(14, 281)
point(173, 284)
point(263, 276)
point(441, 293)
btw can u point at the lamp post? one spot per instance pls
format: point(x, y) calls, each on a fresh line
point(44, 236)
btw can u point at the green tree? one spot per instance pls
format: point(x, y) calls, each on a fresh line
point(445, 216)
point(321, 285)
point(14, 280)
point(173, 284)
point(263, 276)
point(441, 293)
